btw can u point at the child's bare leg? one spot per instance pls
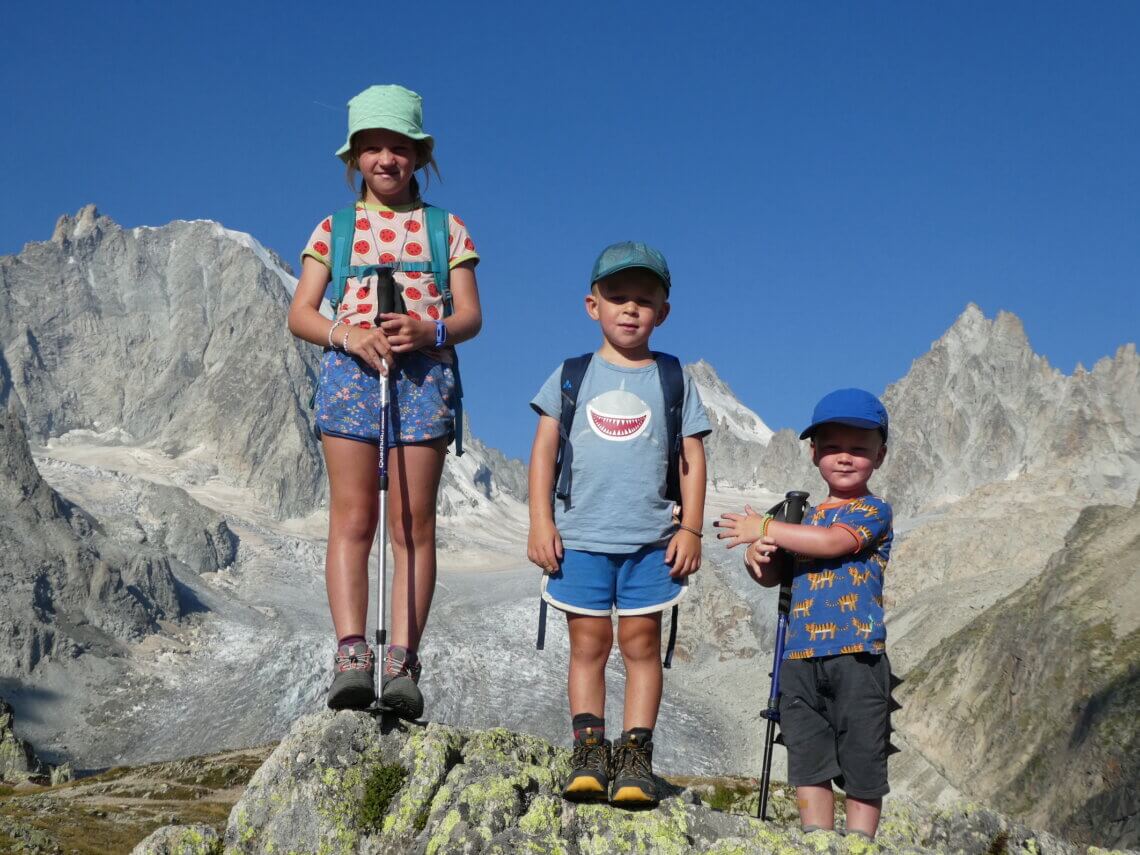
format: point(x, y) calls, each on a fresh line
point(414, 473)
point(591, 640)
point(639, 637)
point(353, 508)
point(817, 805)
point(863, 815)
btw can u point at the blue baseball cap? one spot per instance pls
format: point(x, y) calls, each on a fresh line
point(854, 407)
point(627, 254)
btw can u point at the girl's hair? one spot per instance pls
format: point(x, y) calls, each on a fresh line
point(425, 160)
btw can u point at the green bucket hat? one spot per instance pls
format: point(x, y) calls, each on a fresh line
point(391, 108)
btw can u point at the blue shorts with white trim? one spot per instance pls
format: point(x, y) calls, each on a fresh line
point(594, 583)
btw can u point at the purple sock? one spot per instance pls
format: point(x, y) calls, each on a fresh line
point(352, 639)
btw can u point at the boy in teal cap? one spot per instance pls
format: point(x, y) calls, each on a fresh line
point(835, 677)
point(612, 540)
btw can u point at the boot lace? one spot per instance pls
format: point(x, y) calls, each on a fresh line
point(592, 756)
point(632, 761)
point(353, 659)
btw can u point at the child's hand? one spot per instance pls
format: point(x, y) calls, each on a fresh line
point(405, 333)
point(758, 560)
point(544, 546)
point(740, 528)
point(683, 554)
point(371, 345)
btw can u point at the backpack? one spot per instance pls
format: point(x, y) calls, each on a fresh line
point(673, 390)
point(435, 219)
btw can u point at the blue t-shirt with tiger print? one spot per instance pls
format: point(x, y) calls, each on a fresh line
point(837, 603)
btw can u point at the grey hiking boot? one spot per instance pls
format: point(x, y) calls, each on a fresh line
point(633, 771)
point(353, 687)
point(398, 689)
point(589, 779)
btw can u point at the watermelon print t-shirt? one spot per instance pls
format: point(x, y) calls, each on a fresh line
point(384, 235)
point(837, 603)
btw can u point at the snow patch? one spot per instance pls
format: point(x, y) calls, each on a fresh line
point(740, 421)
point(250, 243)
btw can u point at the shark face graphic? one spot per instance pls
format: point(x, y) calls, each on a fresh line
point(618, 415)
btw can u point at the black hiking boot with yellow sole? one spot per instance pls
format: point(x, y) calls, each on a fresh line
point(589, 779)
point(633, 784)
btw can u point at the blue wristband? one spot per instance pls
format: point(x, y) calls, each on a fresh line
point(440, 334)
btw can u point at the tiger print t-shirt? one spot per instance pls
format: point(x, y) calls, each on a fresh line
point(383, 235)
point(837, 603)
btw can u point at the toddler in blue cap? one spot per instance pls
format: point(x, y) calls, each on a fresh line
point(835, 677)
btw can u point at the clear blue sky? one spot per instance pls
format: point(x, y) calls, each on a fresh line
point(831, 182)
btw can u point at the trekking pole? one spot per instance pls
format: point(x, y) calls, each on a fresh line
point(791, 510)
point(385, 288)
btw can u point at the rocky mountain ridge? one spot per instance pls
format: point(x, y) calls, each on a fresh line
point(1010, 453)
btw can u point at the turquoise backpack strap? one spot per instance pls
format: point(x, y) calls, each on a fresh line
point(343, 231)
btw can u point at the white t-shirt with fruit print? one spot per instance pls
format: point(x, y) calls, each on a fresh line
point(383, 235)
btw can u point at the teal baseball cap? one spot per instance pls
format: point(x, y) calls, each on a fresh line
point(389, 107)
point(627, 254)
point(854, 407)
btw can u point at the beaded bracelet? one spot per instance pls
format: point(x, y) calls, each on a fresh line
point(695, 531)
point(344, 342)
point(332, 329)
point(767, 521)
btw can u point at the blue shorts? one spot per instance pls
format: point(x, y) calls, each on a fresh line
point(421, 406)
point(593, 583)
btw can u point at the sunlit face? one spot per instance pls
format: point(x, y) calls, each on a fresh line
point(846, 457)
point(628, 304)
point(387, 161)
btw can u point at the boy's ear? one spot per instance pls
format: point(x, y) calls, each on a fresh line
point(662, 314)
point(592, 305)
point(881, 456)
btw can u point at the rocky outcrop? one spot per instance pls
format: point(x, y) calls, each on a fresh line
point(18, 761)
point(1033, 705)
point(982, 407)
point(352, 783)
point(64, 586)
point(175, 335)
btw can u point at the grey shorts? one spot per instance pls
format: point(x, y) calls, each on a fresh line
point(835, 719)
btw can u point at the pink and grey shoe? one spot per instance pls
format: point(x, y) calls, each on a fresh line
point(353, 687)
point(398, 689)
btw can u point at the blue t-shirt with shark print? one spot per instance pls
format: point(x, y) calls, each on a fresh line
point(837, 603)
point(620, 459)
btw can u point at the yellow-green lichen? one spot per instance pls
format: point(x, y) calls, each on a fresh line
point(442, 836)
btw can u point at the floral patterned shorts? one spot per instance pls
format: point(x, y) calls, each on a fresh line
point(421, 399)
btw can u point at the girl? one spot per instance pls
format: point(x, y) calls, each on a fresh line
point(413, 352)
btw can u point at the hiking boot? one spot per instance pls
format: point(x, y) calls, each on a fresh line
point(352, 687)
point(398, 689)
point(633, 771)
point(589, 779)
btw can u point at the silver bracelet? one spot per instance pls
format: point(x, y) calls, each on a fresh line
point(344, 342)
point(332, 329)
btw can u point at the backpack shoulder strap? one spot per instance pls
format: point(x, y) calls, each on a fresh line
point(673, 388)
point(438, 228)
point(436, 220)
point(573, 370)
point(343, 230)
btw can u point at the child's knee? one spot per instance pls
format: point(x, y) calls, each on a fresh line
point(355, 523)
point(640, 641)
point(417, 531)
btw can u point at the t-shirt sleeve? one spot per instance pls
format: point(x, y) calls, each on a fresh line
point(462, 246)
point(548, 401)
point(868, 519)
point(319, 244)
point(694, 419)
